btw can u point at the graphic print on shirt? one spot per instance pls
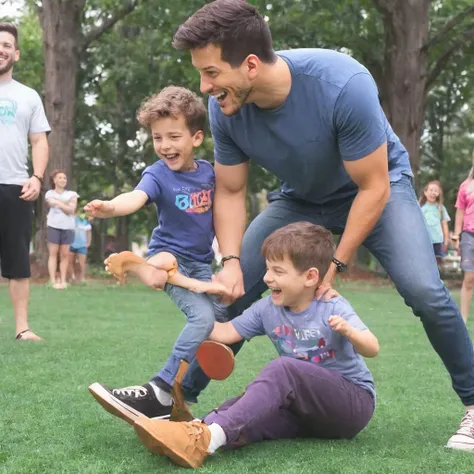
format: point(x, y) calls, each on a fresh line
point(8, 110)
point(305, 344)
point(195, 201)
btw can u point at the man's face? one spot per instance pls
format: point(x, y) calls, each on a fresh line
point(8, 52)
point(230, 86)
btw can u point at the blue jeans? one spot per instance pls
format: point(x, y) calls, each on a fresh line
point(199, 311)
point(401, 243)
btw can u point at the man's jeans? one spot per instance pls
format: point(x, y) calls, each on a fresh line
point(401, 243)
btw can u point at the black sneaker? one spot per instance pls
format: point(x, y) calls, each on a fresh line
point(130, 402)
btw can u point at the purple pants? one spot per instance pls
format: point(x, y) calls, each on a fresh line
point(292, 398)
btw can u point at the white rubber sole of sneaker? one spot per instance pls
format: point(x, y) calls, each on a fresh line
point(115, 407)
point(461, 446)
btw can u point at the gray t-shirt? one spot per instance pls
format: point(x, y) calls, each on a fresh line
point(308, 336)
point(58, 218)
point(21, 113)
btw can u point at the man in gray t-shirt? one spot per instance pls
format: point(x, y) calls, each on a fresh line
point(22, 118)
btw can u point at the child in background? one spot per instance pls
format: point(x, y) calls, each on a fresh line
point(180, 251)
point(319, 387)
point(60, 226)
point(78, 250)
point(436, 217)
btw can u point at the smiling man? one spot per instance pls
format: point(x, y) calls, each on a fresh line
point(22, 118)
point(313, 118)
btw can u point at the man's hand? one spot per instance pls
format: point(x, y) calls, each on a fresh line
point(232, 278)
point(325, 290)
point(31, 189)
point(100, 209)
point(340, 325)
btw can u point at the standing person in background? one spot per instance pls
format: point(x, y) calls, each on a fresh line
point(78, 250)
point(463, 238)
point(22, 119)
point(436, 216)
point(61, 223)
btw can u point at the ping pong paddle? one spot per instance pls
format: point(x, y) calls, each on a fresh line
point(215, 359)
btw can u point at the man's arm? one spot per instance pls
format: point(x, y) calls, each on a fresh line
point(230, 218)
point(40, 156)
point(370, 174)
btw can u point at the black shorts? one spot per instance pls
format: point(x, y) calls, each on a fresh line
point(16, 218)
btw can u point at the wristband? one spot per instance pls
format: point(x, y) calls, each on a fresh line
point(340, 266)
point(229, 257)
point(38, 178)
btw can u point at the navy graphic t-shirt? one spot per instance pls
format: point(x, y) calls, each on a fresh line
point(184, 201)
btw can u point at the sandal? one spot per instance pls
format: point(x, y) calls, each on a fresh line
point(20, 337)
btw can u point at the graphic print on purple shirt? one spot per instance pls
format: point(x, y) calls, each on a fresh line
point(184, 209)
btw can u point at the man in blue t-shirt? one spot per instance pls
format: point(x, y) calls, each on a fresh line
point(180, 250)
point(313, 118)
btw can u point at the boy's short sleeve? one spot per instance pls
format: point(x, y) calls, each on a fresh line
point(345, 310)
point(359, 119)
point(150, 185)
point(249, 324)
point(226, 152)
point(461, 199)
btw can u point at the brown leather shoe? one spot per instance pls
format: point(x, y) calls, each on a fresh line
point(185, 443)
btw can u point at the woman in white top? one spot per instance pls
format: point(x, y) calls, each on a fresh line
point(61, 224)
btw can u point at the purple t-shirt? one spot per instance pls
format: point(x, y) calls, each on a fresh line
point(308, 336)
point(184, 205)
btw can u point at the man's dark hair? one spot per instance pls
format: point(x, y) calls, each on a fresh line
point(233, 25)
point(10, 28)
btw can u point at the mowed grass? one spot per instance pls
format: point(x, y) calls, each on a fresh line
point(49, 423)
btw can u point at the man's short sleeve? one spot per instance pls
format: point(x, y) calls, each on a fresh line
point(359, 119)
point(249, 324)
point(39, 122)
point(226, 152)
point(461, 199)
point(150, 185)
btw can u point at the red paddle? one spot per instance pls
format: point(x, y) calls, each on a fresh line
point(215, 359)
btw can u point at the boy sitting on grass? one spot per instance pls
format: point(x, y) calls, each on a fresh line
point(319, 387)
point(180, 251)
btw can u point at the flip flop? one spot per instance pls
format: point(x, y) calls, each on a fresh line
point(19, 336)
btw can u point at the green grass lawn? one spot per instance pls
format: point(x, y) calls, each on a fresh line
point(49, 423)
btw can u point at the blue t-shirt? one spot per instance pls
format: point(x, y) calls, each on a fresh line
point(308, 336)
point(434, 216)
point(331, 114)
point(184, 202)
point(80, 233)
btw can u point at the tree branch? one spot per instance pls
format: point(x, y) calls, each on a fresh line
point(108, 23)
point(449, 25)
point(444, 58)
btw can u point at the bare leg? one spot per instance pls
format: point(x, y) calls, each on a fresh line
point(157, 271)
point(466, 294)
point(63, 263)
point(53, 262)
point(71, 274)
point(82, 264)
point(20, 295)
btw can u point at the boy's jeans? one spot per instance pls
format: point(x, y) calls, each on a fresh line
point(401, 243)
point(199, 311)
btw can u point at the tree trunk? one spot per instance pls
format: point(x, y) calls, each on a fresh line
point(61, 25)
point(406, 24)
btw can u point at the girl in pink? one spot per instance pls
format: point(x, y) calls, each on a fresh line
point(464, 238)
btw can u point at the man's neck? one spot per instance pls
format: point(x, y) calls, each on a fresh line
point(273, 87)
point(6, 76)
